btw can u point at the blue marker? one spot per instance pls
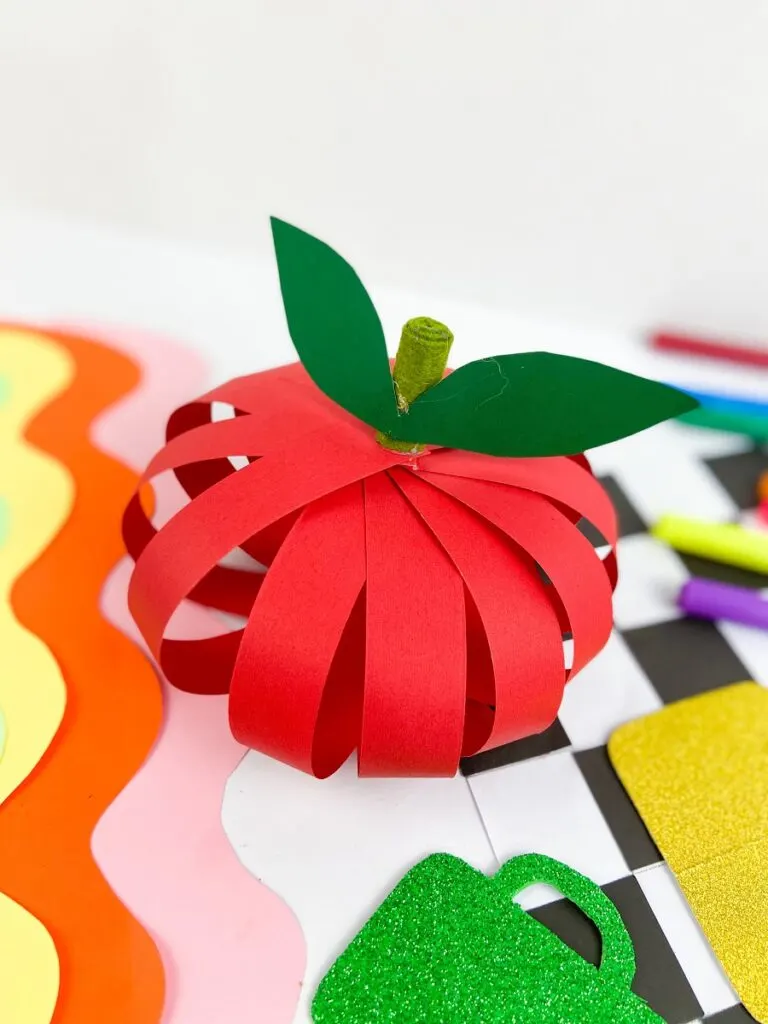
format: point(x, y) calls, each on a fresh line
point(727, 403)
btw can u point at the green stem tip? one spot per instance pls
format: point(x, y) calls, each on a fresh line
point(422, 357)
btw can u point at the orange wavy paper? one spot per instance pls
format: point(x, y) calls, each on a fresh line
point(111, 971)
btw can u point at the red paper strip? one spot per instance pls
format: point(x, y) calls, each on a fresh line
point(565, 555)
point(415, 656)
point(231, 511)
point(282, 406)
point(524, 636)
point(228, 513)
point(249, 392)
point(563, 480)
point(560, 479)
point(288, 647)
point(402, 622)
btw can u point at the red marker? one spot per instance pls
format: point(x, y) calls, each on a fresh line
point(748, 355)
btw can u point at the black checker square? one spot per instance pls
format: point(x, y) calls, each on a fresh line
point(683, 657)
point(738, 474)
point(626, 825)
point(630, 520)
point(593, 535)
point(553, 738)
point(660, 979)
point(680, 657)
point(734, 574)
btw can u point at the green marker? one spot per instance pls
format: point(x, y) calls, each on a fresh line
point(745, 423)
point(451, 945)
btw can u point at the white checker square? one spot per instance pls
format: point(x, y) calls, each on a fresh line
point(700, 965)
point(544, 805)
point(661, 470)
point(608, 692)
point(751, 647)
point(650, 577)
point(334, 848)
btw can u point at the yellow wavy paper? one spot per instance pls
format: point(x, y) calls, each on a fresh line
point(697, 771)
point(38, 495)
point(29, 967)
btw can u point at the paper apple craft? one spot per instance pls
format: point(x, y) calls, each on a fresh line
point(420, 532)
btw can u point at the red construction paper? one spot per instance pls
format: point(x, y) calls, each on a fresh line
point(279, 683)
point(110, 967)
point(525, 641)
point(565, 555)
point(415, 655)
point(404, 611)
point(566, 481)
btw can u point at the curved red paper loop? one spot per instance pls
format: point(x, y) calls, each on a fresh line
point(278, 684)
point(277, 416)
point(415, 657)
point(560, 478)
point(564, 554)
point(525, 641)
point(403, 613)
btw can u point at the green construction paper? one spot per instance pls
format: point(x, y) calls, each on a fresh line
point(752, 426)
point(538, 404)
point(451, 945)
point(528, 404)
point(334, 326)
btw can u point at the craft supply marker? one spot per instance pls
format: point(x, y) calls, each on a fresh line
point(755, 427)
point(710, 349)
point(720, 542)
point(762, 487)
point(725, 403)
point(709, 599)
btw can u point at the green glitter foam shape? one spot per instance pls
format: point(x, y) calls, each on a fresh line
point(449, 945)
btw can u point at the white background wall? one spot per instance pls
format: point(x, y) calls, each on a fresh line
point(601, 161)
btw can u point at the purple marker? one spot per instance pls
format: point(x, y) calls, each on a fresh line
point(708, 599)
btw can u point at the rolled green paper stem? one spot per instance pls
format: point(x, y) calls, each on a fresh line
point(422, 357)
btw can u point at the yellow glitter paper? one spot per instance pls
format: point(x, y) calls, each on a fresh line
point(697, 771)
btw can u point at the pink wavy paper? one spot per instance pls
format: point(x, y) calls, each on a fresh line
point(231, 949)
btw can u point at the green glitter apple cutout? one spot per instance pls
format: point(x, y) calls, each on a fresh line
point(450, 945)
point(522, 405)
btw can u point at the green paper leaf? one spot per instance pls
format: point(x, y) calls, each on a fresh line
point(537, 404)
point(334, 326)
